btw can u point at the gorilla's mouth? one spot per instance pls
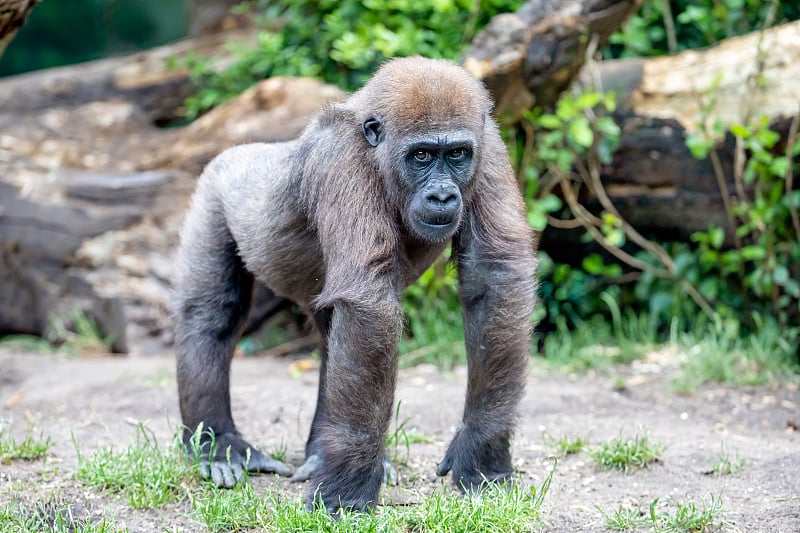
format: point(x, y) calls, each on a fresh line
point(436, 227)
point(440, 220)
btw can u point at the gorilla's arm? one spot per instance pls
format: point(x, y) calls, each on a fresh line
point(496, 264)
point(362, 296)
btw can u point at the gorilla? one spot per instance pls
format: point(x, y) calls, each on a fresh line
point(340, 221)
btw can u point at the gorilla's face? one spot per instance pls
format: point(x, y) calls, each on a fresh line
point(433, 170)
point(436, 169)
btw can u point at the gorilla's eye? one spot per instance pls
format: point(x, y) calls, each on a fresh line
point(423, 156)
point(457, 154)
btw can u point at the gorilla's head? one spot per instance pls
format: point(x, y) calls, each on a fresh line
point(425, 120)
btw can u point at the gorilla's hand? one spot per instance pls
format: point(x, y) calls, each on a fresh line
point(232, 456)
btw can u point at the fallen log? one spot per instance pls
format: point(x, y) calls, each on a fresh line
point(147, 79)
point(654, 179)
point(530, 57)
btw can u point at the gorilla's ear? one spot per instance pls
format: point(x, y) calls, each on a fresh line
point(373, 131)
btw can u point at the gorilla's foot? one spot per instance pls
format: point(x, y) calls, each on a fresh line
point(314, 461)
point(232, 457)
point(475, 461)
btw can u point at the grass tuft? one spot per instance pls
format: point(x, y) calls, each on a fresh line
point(627, 454)
point(596, 345)
point(564, 445)
point(688, 517)
point(623, 519)
point(726, 465)
point(399, 440)
point(724, 354)
point(280, 452)
point(499, 508)
point(144, 473)
point(29, 449)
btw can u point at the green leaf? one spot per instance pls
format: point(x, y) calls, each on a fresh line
point(610, 219)
point(699, 146)
point(753, 253)
point(537, 220)
point(615, 237)
point(781, 275)
point(716, 237)
point(593, 264)
point(740, 131)
point(660, 301)
point(549, 121)
point(581, 132)
point(588, 100)
point(792, 288)
point(779, 166)
point(549, 203)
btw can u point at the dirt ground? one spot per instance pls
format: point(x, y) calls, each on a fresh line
point(100, 400)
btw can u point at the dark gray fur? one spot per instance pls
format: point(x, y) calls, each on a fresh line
point(341, 221)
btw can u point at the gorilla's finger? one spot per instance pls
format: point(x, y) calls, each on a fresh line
point(222, 476)
point(307, 469)
point(264, 463)
point(205, 473)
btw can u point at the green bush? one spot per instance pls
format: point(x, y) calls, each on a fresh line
point(342, 42)
point(697, 24)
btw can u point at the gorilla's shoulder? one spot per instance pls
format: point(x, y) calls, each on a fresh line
point(336, 116)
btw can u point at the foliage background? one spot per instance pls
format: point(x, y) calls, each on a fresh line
point(747, 300)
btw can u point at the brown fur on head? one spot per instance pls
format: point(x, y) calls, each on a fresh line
point(419, 94)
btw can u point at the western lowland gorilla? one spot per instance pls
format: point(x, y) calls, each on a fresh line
point(340, 221)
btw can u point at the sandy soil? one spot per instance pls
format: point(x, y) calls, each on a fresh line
point(99, 401)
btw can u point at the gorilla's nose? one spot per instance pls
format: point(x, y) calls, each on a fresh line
point(442, 205)
point(442, 198)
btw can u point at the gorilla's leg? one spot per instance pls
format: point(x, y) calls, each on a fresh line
point(214, 296)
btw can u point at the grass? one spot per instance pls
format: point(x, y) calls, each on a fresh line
point(627, 454)
point(280, 452)
point(565, 445)
point(498, 508)
point(78, 334)
point(721, 353)
point(29, 449)
point(399, 440)
point(74, 333)
point(725, 465)
point(53, 517)
point(597, 344)
point(146, 474)
point(623, 519)
point(28, 343)
point(688, 517)
point(683, 517)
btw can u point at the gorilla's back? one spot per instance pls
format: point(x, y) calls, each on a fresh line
point(258, 199)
